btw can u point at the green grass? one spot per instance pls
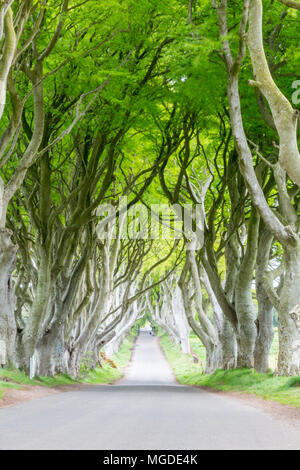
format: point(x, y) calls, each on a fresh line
point(103, 375)
point(285, 390)
point(19, 378)
point(182, 364)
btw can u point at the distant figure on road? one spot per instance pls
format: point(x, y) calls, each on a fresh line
point(153, 330)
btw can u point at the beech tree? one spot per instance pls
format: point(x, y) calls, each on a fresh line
point(286, 230)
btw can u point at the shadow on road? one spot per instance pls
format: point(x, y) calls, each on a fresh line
point(142, 388)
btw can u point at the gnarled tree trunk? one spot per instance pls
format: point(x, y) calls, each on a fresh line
point(288, 326)
point(229, 346)
point(243, 297)
point(264, 322)
point(7, 298)
point(50, 352)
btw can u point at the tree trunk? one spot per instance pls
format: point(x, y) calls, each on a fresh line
point(7, 298)
point(33, 330)
point(243, 297)
point(288, 327)
point(264, 322)
point(50, 353)
point(204, 329)
point(213, 358)
point(285, 117)
point(229, 346)
point(265, 331)
point(229, 334)
point(180, 320)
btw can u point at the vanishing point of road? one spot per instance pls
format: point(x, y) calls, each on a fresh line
point(146, 410)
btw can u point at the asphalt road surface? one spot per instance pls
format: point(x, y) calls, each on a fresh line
point(146, 410)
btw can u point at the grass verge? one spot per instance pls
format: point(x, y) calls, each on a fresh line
point(107, 374)
point(285, 390)
point(14, 378)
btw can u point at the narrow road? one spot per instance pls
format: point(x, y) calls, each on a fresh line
point(146, 410)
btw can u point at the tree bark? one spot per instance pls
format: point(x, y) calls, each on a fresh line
point(289, 334)
point(204, 329)
point(285, 117)
point(7, 297)
point(33, 329)
point(8, 54)
point(264, 322)
point(50, 353)
point(243, 297)
point(229, 346)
